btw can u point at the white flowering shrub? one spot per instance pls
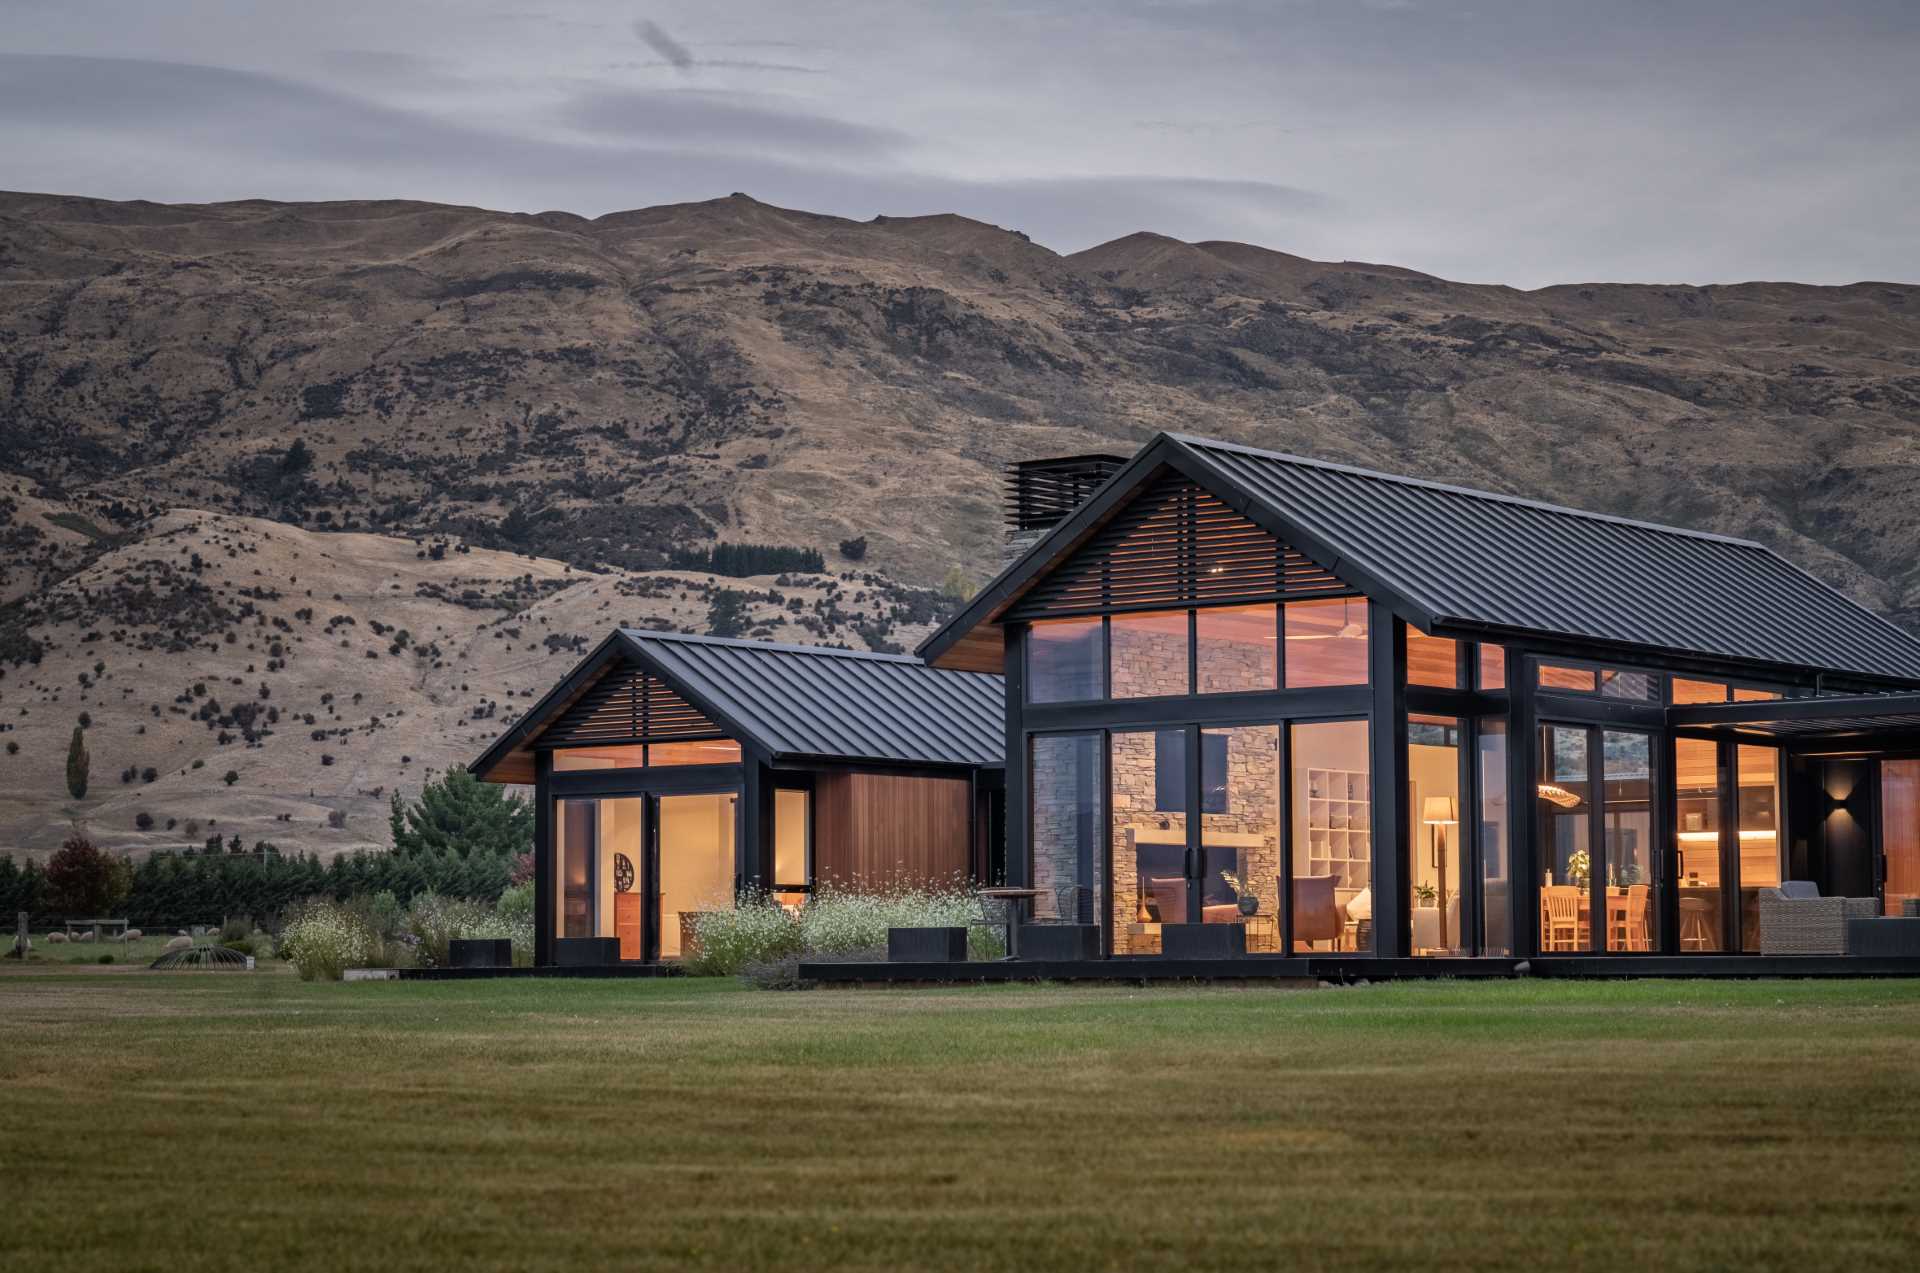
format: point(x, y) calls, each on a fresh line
point(436, 921)
point(841, 920)
point(757, 930)
point(324, 939)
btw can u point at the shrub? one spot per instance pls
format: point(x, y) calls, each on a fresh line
point(85, 880)
point(230, 777)
point(758, 930)
point(840, 920)
point(435, 921)
point(516, 903)
point(324, 939)
point(386, 912)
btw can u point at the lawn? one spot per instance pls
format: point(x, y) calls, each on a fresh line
point(211, 1122)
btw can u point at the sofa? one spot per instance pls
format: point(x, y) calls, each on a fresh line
point(1796, 920)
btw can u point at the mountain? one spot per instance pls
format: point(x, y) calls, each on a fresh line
point(590, 402)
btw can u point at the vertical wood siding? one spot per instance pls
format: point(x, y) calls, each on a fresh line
point(886, 828)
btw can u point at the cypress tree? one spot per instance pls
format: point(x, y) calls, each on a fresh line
point(78, 762)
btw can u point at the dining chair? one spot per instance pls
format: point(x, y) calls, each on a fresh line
point(1560, 914)
point(1639, 917)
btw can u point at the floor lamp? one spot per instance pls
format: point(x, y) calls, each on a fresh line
point(1438, 813)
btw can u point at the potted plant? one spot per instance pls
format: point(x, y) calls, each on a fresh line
point(1249, 900)
point(1426, 895)
point(1579, 867)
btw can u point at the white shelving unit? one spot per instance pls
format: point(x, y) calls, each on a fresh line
point(1339, 826)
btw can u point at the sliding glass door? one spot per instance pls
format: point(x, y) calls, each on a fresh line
point(642, 868)
point(1599, 890)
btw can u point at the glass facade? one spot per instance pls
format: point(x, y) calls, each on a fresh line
point(1564, 840)
point(1631, 895)
point(1149, 654)
point(707, 751)
point(1064, 777)
point(1758, 779)
point(1435, 855)
point(1240, 832)
point(1496, 917)
point(1697, 822)
point(1332, 836)
point(1326, 642)
point(1237, 648)
point(1432, 661)
point(1066, 660)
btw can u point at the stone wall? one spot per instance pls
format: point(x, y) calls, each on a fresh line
point(1066, 770)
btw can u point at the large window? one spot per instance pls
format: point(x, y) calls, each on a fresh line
point(1150, 885)
point(1064, 777)
point(1696, 779)
point(597, 862)
point(1565, 812)
point(792, 844)
point(707, 751)
point(1758, 770)
point(1332, 836)
point(1236, 648)
point(696, 865)
point(1435, 851)
point(1240, 832)
point(1326, 642)
point(1496, 920)
point(1149, 657)
point(1066, 659)
point(1631, 892)
point(1432, 660)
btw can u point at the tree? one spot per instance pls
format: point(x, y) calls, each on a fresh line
point(854, 549)
point(78, 762)
point(727, 613)
point(84, 881)
point(297, 460)
point(458, 812)
point(956, 586)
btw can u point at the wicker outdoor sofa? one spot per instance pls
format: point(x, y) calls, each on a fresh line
point(1796, 920)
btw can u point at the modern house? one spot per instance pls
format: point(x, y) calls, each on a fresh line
point(1266, 705)
point(1256, 714)
point(672, 773)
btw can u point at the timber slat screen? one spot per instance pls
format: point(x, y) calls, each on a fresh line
point(1041, 493)
point(627, 705)
point(1175, 545)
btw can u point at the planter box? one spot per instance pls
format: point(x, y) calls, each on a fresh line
point(1059, 941)
point(479, 952)
point(586, 952)
point(1890, 936)
point(1203, 941)
point(926, 945)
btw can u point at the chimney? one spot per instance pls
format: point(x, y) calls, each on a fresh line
point(1043, 493)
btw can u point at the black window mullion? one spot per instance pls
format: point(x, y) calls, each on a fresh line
point(1283, 922)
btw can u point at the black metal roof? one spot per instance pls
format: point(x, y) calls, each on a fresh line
point(1848, 716)
point(795, 701)
point(1455, 561)
point(804, 700)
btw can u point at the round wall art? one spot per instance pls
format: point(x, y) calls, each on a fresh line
point(622, 873)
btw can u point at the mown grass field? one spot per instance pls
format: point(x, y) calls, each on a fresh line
point(211, 1122)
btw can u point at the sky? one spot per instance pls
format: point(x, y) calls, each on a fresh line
point(1526, 142)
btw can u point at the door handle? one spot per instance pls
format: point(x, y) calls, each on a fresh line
point(1193, 865)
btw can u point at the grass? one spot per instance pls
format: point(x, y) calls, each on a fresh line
point(257, 1122)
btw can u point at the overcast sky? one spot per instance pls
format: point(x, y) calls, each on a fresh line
point(1518, 141)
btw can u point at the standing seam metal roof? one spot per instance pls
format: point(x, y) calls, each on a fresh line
point(800, 700)
point(1478, 558)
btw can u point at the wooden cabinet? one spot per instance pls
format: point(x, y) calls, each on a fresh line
point(626, 924)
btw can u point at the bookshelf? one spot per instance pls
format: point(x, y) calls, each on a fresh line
point(1339, 825)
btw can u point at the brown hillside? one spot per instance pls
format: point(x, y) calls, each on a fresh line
point(604, 393)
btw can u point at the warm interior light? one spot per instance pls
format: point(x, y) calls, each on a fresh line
point(1559, 795)
point(1438, 811)
point(1709, 837)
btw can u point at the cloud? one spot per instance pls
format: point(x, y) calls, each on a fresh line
point(665, 45)
point(685, 118)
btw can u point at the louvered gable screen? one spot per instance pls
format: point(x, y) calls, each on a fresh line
point(628, 705)
point(1174, 545)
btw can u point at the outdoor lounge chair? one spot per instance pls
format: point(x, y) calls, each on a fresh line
point(1796, 920)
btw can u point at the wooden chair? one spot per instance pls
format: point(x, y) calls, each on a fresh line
point(1560, 917)
point(1318, 914)
point(1639, 917)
